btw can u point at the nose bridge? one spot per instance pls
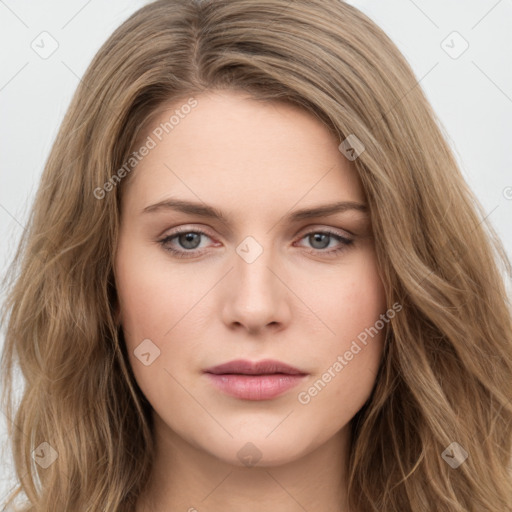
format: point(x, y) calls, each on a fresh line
point(254, 258)
point(255, 296)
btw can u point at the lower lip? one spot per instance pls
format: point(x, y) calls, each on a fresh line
point(255, 387)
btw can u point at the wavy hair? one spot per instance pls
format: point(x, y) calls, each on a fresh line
point(446, 371)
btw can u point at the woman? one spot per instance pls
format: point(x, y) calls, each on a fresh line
point(254, 278)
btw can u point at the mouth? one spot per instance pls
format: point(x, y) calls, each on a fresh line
point(261, 380)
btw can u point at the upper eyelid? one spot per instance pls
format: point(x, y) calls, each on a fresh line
point(319, 227)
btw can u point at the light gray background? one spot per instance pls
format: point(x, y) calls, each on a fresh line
point(472, 94)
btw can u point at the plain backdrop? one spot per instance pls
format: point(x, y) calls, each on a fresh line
point(460, 51)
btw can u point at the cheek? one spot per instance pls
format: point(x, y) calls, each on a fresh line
point(151, 307)
point(153, 298)
point(349, 300)
point(348, 363)
point(158, 314)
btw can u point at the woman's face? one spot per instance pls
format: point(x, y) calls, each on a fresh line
point(266, 281)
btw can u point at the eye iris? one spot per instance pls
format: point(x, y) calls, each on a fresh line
point(319, 237)
point(187, 240)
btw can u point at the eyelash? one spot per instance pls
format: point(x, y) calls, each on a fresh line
point(346, 243)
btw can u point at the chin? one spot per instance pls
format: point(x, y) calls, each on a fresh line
point(259, 451)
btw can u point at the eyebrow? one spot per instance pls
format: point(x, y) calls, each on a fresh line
point(210, 212)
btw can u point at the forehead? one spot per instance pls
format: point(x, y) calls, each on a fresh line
point(233, 146)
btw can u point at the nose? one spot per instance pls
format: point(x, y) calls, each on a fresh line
point(255, 295)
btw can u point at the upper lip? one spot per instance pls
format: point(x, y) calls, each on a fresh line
point(265, 367)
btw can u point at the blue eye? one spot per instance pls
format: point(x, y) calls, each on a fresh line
point(187, 238)
point(322, 240)
point(189, 241)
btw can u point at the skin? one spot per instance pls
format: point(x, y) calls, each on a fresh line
point(256, 162)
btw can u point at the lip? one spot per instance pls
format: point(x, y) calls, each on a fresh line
point(260, 380)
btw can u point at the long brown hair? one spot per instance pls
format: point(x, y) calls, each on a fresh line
point(446, 373)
